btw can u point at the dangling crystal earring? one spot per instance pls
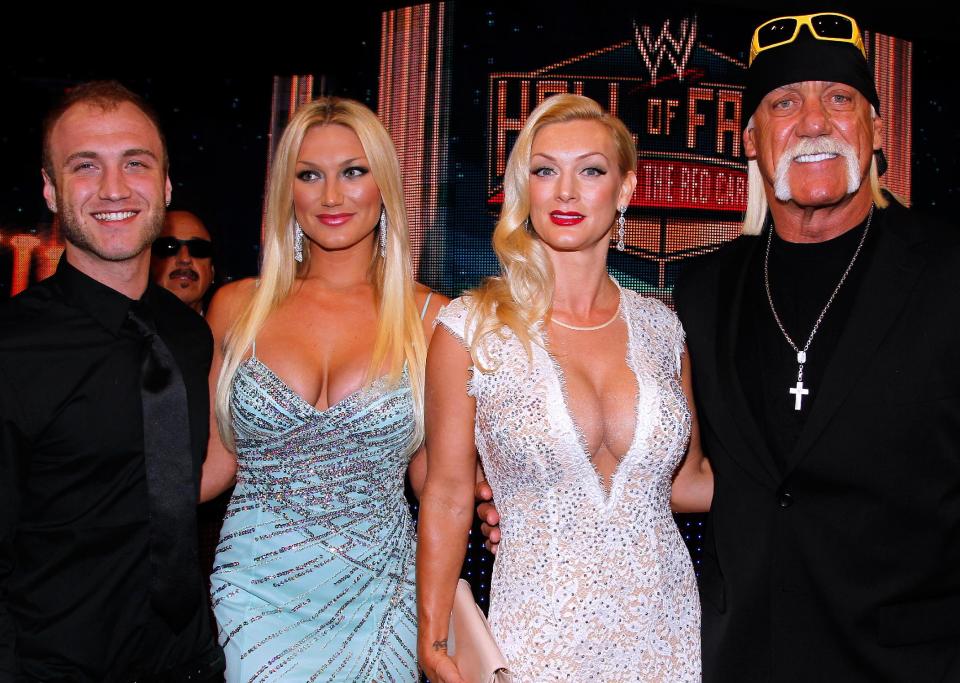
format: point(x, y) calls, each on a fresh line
point(383, 233)
point(621, 228)
point(297, 242)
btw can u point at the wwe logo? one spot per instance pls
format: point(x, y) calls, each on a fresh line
point(676, 50)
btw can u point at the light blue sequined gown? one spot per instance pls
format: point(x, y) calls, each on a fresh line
point(314, 576)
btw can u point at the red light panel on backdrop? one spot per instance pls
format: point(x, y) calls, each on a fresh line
point(35, 254)
point(414, 106)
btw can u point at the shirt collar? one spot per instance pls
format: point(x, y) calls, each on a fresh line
point(102, 303)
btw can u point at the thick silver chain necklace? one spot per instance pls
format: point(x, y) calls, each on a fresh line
point(799, 391)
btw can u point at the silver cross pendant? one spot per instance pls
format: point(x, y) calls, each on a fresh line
point(798, 391)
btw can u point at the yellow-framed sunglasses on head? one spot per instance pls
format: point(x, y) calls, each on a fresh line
point(823, 26)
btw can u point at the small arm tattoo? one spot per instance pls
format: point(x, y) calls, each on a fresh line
point(440, 644)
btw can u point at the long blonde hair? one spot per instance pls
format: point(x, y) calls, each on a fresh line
point(523, 293)
point(399, 337)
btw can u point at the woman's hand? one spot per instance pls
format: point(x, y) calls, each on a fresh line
point(438, 666)
point(489, 516)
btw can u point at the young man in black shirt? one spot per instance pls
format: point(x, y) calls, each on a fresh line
point(103, 424)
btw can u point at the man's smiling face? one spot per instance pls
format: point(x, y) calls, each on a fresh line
point(111, 186)
point(813, 142)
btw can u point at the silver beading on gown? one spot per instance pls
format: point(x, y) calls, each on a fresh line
point(587, 585)
point(314, 576)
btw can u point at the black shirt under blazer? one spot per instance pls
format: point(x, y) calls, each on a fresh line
point(845, 564)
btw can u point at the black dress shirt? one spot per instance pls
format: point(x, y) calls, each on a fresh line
point(74, 523)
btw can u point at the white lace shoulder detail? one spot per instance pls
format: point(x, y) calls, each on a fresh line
point(454, 318)
point(663, 324)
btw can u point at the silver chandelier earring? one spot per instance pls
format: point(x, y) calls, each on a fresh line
point(297, 242)
point(383, 232)
point(621, 228)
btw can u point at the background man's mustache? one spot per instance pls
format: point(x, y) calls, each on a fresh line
point(185, 272)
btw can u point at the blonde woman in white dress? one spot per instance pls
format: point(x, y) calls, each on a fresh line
point(577, 395)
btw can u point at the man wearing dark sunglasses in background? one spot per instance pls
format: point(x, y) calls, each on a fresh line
point(825, 346)
point(182, 259)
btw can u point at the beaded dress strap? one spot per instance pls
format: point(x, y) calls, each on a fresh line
point(425, 304)
point(253, 344)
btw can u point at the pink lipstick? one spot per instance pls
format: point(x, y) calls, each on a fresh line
point(334, 218)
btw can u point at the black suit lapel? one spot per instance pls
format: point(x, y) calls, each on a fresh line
point(740, 427)
point(884, 291)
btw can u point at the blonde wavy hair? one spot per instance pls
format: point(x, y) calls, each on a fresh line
point(522, 294)
point(399, 338)
point(756, 213)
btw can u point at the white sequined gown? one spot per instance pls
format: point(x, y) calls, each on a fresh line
point(587, 586)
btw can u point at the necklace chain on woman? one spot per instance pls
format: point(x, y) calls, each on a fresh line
point(799, 391)
point(591, 328)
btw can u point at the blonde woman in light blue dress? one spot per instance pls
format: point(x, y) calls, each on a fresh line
point(318, 378)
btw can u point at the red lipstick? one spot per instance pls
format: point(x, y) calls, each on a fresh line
point(566, 217)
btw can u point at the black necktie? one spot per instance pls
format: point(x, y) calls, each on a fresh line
point(171, 489)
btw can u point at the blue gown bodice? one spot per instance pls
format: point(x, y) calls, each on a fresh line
point(314, 575)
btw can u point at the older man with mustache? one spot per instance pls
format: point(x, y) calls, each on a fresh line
point(182, 259)
point(826, 355)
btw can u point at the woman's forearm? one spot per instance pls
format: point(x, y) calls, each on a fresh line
point(444, 526)
point(693, 488)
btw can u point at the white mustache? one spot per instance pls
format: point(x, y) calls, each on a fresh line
point(812, 147)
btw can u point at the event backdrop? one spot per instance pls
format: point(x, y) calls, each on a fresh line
point(454, 85)
point(454, 111)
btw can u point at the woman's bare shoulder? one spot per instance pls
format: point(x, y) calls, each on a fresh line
point(437, 300)
point(229, 301)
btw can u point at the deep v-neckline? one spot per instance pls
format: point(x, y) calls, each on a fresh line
point(379, 381)
point(606, 497)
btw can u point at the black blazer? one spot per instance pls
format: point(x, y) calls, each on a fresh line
point(845, 567)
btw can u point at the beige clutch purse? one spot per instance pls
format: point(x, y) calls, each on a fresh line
point(470, 643)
